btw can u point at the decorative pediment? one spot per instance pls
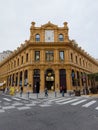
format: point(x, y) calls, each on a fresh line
point(49, 25)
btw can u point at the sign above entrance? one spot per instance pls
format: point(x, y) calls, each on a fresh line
point(51, 78)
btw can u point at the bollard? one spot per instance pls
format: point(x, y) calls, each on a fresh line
point(20, 94)
point(62, 93)
point(37, 95)
point(55, 94)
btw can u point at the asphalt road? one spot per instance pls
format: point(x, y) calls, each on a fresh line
point(53, 117)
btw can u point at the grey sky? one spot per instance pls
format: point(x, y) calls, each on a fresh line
point(82, 17)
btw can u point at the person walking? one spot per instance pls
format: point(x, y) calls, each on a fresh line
point(21, 91)
point(46, 92)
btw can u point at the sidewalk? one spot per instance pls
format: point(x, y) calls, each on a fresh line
point(40, 95)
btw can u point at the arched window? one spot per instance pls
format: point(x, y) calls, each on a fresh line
point(37, 37)
point(61, 37)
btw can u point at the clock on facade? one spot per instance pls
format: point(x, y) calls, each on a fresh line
point(49, 35)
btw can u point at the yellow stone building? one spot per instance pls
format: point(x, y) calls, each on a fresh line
point(48, 59)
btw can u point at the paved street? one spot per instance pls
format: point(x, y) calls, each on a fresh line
point(52, 113)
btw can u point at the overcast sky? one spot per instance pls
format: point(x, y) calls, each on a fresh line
point(82, 17)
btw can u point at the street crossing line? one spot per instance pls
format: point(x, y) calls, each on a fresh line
point(7, 99)
point(8, 107)
point(89, 104)
point(63, 100)
point(23, 108)
point(44, 105)
point(54, 99)
point(96, 108)
point(30, 105)
point(76, 103)
point(73, 100)
point(1, 110)
point(18, 99)
point(17, 104)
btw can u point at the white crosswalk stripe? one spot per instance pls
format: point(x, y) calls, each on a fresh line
point(89, 104)
point(7, 99)
point(17, 99)
point(1, 110)
point(81, 101)
point(73, 100)
point(96, 108)
point(55, 99)
point(58, 101)
point(17, 104)
point(23, 108)
point(7, 107)
point(30, 105)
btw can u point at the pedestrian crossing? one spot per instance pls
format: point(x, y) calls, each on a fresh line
point(18, 103)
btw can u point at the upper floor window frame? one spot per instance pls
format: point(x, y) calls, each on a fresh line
point(37, 37)
point(49, 55)
point(61, 55)
point(37, 55)
point(61, 37)
point(26, 57)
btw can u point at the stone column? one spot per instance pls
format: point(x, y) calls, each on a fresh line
point(30, 76)
point(42, 57)
point(57, 84)
point(68, 79)
point(67, 58)
point(56, 58)
point(23, 78)
point(18, 78)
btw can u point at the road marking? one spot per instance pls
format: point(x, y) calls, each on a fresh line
point(63, 100)
point(1, 110)
point(96, 108)
point(17, 104)
point(54, 99)
point(8, 107)
point(7, 99)
point(76, 103)
point(23, 108)
point(16, 99)
point(29, 105)
point(68, 101)
point(89, 104)
point(44, 105)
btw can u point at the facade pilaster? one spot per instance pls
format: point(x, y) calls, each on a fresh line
point(30, 77)
point(23, 78)
point(68, 79)
point(57, 84)
point(56, 56)
point(42, 80)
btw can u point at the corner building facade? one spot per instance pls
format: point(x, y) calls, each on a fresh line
point(48, 59)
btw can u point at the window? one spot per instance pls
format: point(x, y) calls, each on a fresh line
point(14, 63)
point(61, 37)
point(76, 60)
point(22, 60)
point(37, 38)
point(18, 62)
point(80, 61)
point(37, 55)
point(71, 57)
point(49, 55)
point(61, 55)
point(27, 57)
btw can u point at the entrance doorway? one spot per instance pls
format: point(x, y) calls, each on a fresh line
point(50, 79)
point(36, 80)
point(62, 76)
